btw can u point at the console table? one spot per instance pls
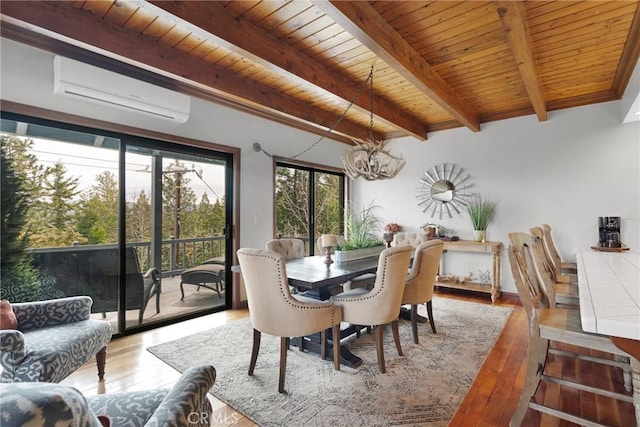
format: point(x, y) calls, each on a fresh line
point(473, 246)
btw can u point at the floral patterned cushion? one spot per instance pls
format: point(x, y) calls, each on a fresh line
point(47, 404)
point(54, 338)
point(44, 404)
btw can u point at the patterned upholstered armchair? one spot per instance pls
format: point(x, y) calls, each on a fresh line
point(45, 404)
point(52, 340)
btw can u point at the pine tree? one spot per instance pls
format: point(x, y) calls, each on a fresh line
point(33, 176)
point(97, 217)
point(19, 279)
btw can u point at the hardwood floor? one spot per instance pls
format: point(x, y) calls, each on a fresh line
point(490, 401)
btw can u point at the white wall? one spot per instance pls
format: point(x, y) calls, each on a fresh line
point(580, 164)
point(26, 76)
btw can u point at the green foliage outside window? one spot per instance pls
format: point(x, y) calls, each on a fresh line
point(293, 209)
point(19, 281)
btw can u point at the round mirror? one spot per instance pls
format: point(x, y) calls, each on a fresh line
point(443, 191)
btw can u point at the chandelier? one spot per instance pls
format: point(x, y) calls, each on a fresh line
point(369, 159)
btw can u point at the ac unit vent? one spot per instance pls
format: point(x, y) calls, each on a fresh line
point(96, 85)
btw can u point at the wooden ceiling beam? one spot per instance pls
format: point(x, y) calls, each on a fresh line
point(247, 40)
point(71, 25)
point(365, 24)
point(514, 21)
point(629, 58)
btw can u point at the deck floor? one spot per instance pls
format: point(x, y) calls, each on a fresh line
point(171, 305)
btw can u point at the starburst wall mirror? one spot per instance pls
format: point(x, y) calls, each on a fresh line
point(443, 191)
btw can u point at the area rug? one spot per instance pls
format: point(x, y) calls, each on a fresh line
point(424, 387)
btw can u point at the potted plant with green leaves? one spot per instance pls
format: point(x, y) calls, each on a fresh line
point(361, 239)
point(481, 212)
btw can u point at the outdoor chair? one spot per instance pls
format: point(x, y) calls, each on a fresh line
point(210, 276)
point(53, 339)
point(94, 271)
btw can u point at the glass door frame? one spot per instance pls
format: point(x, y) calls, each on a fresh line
point(312, 169)
point(36, 115)
point(157, 198)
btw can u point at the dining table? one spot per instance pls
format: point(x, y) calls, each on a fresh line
point(609, 294)
point(315, 279)
point(319, 280)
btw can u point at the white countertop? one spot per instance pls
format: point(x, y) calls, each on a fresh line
point(609, 289)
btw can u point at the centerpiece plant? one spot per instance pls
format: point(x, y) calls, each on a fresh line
point(361, 228)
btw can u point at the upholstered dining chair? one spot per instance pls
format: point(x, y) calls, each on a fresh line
point(419, 284)
point(563, 293)
point(340, 240)
point(548, 323)
point(274, 311)
point(288, 248)
point(380, 305)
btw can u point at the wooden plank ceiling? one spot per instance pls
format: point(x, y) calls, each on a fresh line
point(437, 64)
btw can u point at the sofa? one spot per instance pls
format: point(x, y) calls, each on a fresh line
point(51, 340)
point(46, 404)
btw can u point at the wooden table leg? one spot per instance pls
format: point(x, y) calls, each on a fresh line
point(632, 347)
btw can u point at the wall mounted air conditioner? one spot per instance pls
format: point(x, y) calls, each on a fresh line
point(92, 84)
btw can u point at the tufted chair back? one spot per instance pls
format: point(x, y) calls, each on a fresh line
point(339, 241)
point(419, 284)
point(410, 239)
point(274, 311)
point(271, 307)
point(380, 305)
point(288, 248)
point(422, 275)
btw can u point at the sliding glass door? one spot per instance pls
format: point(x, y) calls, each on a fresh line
point(309, 202)
point(175, 227)
point(139, 225)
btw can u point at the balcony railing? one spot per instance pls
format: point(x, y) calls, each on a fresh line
point(177, 254)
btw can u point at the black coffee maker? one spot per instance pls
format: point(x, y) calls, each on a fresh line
point(609, 232)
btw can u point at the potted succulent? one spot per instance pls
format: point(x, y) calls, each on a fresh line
point(361, 239)
point(481, 213)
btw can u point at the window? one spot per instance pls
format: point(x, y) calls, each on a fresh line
point(309, 202)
